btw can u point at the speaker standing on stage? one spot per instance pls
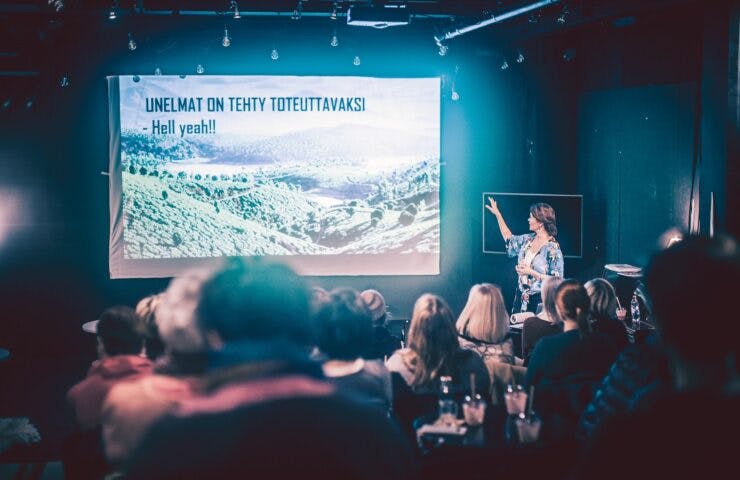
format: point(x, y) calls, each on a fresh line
point(538, 253)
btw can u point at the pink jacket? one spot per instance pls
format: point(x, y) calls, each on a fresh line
point(87, 397)
point(132, 407)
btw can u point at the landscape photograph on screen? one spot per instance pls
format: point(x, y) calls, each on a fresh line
point(213, 167)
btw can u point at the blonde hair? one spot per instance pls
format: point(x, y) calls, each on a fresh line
point(484, 316)
point(549, 288)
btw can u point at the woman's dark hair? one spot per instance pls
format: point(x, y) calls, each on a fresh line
point(573, 304)
point(119, 329)
point(545, 214)
point(345, 325)
point(432, 339)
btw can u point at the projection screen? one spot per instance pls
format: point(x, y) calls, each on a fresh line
point(332, 175)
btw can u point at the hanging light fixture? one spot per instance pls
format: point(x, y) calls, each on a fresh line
point(274, 54)
point(297, 11)
point(226, 40)
point(334, 9)
point(235, 7)
point(131, 43)
point(356, 61)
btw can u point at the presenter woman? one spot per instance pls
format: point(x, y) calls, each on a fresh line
point(538, 253)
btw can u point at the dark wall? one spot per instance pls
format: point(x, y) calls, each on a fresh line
point(614, 120)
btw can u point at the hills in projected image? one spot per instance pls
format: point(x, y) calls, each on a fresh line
point(317, 191)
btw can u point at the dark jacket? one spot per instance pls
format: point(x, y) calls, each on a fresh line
point(612, 328)
point(636, 368)
point(384, 344)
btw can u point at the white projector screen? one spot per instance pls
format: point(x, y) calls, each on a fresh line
point(332, 175)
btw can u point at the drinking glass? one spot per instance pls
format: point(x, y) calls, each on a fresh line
point(474, 410)
point(516, 399)
point(447, 412)
point(528, 427)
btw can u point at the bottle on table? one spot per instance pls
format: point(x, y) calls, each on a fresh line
point(635, 312)
point(447, 404)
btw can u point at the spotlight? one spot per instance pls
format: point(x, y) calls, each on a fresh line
point(64, 81)
point(334, 42)
point(504, 65)
point(131, 42)
point(226, 41)
point(6, 104)
point(520, 57)
point(274, 54)
point(113, 14)
point(200, 69)
point(235, 7)
point(333, 15)
point(455, 96)
point(443, 49)
point(30, 102)
point(569, 54)
point(157, 71)
point(297, 11)
point(356, 61)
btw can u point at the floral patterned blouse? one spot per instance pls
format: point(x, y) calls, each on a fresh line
point(548, 261)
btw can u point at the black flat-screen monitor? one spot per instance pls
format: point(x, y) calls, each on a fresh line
point(515, 209)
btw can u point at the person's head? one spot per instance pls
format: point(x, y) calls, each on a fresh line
point(176, 314)
point(376, 303)
point(542, 216)
point(317, 299)
point(253, 299)
point(549, 289)
point(603, 298)
point(146, 309)
point(691, 283)
point(572, 304)
point(484, 316)
point(119, 332)
point(345, 325)
point(432, 337)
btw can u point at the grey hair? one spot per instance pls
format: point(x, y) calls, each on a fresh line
point(603, 298)
point(176, 313)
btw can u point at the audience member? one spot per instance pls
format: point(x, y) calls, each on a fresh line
point(265, 409)
point(132, 407)
point(384, 344)
point(545, 323)
point(483, 325)
point(565, 368)
point(345, 329)
point(433, 351)
point(119, 345)
point(683, 432)
point(146, 309)
point(604, 312)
